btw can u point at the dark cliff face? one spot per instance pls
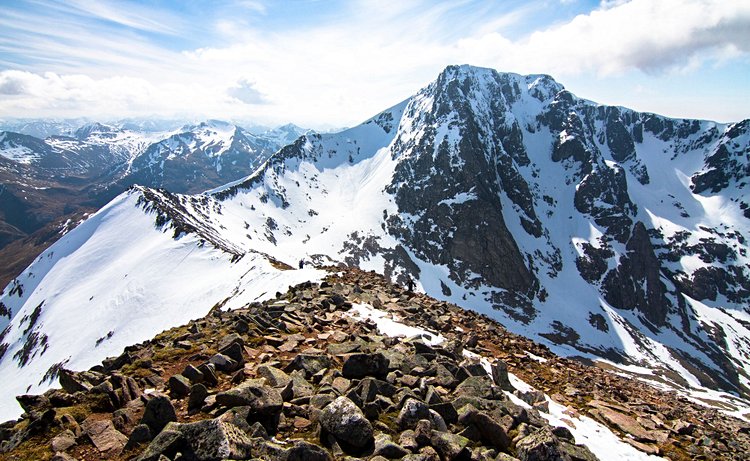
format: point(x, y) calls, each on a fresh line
point(448, 189)
point(636, 282)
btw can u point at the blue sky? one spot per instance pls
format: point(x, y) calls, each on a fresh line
point(334, 63)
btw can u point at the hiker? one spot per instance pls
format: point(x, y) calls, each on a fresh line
point(409, 283)
point(301, 263)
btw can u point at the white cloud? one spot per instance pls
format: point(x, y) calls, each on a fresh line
point(246, 92)
point(354, 63)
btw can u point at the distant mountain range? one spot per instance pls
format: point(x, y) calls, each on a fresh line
point(48, 184)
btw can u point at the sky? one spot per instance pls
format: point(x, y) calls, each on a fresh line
point(334, 63)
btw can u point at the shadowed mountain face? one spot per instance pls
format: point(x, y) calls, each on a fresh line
point(600, 231)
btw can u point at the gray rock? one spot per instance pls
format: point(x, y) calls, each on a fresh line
point(71, 383)
point(167, 443)
point(31, 403)
point(193, 374)
point(209, 374)
point(224, 363)
point(158, 413)
point(450, 446)
point(305, 451)
point(274, 376)
point(385, 447)
point(63, 441)
point(346, 423)
point(357, 366)
point(197, 397)
point(490, 431)
point(408, 440)
point(229, 340)
point(577, 452)
point(540, 445)
point(235, 352)
point(215, 439)
point(263, 400)
point(141, 434)
point(179, 386)
point(480, 387)
point(500, 376)
point(412, 411)
point(108, 440)
point(309, 364)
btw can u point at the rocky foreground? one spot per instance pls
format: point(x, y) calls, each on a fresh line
point(301, 378)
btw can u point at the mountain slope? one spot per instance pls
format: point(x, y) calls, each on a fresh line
point(602, 232)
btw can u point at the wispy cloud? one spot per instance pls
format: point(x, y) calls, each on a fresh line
point(310, 62)
point(246, 92)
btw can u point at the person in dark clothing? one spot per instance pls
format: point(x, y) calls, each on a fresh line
point(301, 263)
point(409, 283)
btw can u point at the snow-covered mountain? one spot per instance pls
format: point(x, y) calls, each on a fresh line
point(42, 128)
point(199, 157)
point(600, 231)
point(285, 134)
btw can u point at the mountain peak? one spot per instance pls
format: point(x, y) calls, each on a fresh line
point(93, 128)
point(541, 86)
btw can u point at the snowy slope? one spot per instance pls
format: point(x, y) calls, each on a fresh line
point(114, 281)
point(597, 230)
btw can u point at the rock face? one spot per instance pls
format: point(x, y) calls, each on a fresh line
point(636, 282)
point(433, 402)
point(454, 188)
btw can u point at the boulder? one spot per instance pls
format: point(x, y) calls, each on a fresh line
point(385, 447)
point(63, 441)
point(305, 451)
point(197, 397)
point(412, 411)
point(215, 439)
point(209, 374)
point(540, 445)
point(108, 440)
point(262, 400)
point(224, 363)
point(193, 374)
point(346, 423)
point(358, 366)
point(71, 383)
point(489, 430)
point(479, 387)
point(450, 446)
point(309, 363)
point(274, 376)
point(179, 386)
point(159, 411)
point(500, 376)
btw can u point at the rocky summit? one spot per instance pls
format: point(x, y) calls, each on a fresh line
point(356, 367)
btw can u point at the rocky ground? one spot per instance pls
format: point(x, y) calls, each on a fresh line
point(300, 378)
